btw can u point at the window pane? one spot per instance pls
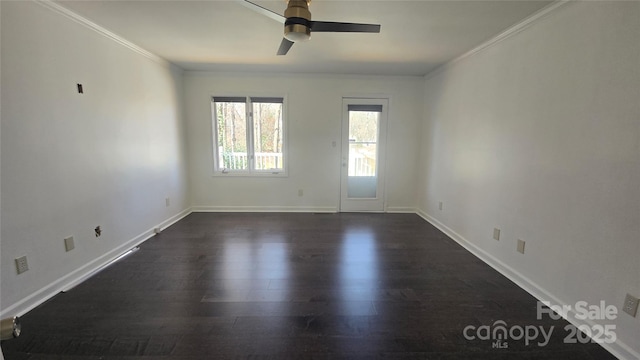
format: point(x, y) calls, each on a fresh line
point(268, 135)
point(363, 139)
point(232, 135)
point(362, 159)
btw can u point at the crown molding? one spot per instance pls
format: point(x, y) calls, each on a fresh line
point(51, 5)
point(513, 30)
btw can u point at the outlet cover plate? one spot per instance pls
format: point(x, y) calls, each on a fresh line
point(21, 264)
point(630, 305)
point(496, 233)
point(69, 244)
point(521, 246)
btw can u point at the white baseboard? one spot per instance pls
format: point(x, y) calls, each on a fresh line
point(400, 210)
point(618, 349)
point(79, 275)
point(301, 209)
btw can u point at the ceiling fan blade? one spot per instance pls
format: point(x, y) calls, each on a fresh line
point(329, 26)
point(264, 11)
point(285, 45)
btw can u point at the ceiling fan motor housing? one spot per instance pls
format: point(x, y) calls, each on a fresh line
point(297, 25)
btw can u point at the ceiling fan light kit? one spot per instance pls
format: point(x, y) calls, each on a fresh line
point(298, 25)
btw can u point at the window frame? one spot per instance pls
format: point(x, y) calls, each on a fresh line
point(250, 171)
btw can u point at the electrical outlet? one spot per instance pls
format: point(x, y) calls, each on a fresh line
point(496, 233)
point(21, 264)
point(69, 244)
point(440, 206)
point(167, 202)
point(630, 305)
point(521, 246)
point(98, 231)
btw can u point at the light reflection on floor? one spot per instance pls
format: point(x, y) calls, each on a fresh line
point(246, 263)
point(253, 261)
point(358, 270)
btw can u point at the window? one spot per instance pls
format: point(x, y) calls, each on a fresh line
point(249, 135)
point(363, 139)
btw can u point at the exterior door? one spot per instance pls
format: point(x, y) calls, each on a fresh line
point(364, 124)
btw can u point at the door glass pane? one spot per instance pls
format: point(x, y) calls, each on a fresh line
point(232, 135)
point(267, 135)
point(363, 154)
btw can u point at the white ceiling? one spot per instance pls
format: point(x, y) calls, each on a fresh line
point(416, 36)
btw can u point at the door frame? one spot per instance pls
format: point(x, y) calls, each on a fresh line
point(377, 204)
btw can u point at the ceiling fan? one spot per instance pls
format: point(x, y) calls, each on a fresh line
point(298, 24)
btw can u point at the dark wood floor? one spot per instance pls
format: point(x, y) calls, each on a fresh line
point(291, 286)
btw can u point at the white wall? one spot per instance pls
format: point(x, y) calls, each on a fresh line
point(539, 135)
point(71, 162)
point(314, 118)
point(1, 354)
